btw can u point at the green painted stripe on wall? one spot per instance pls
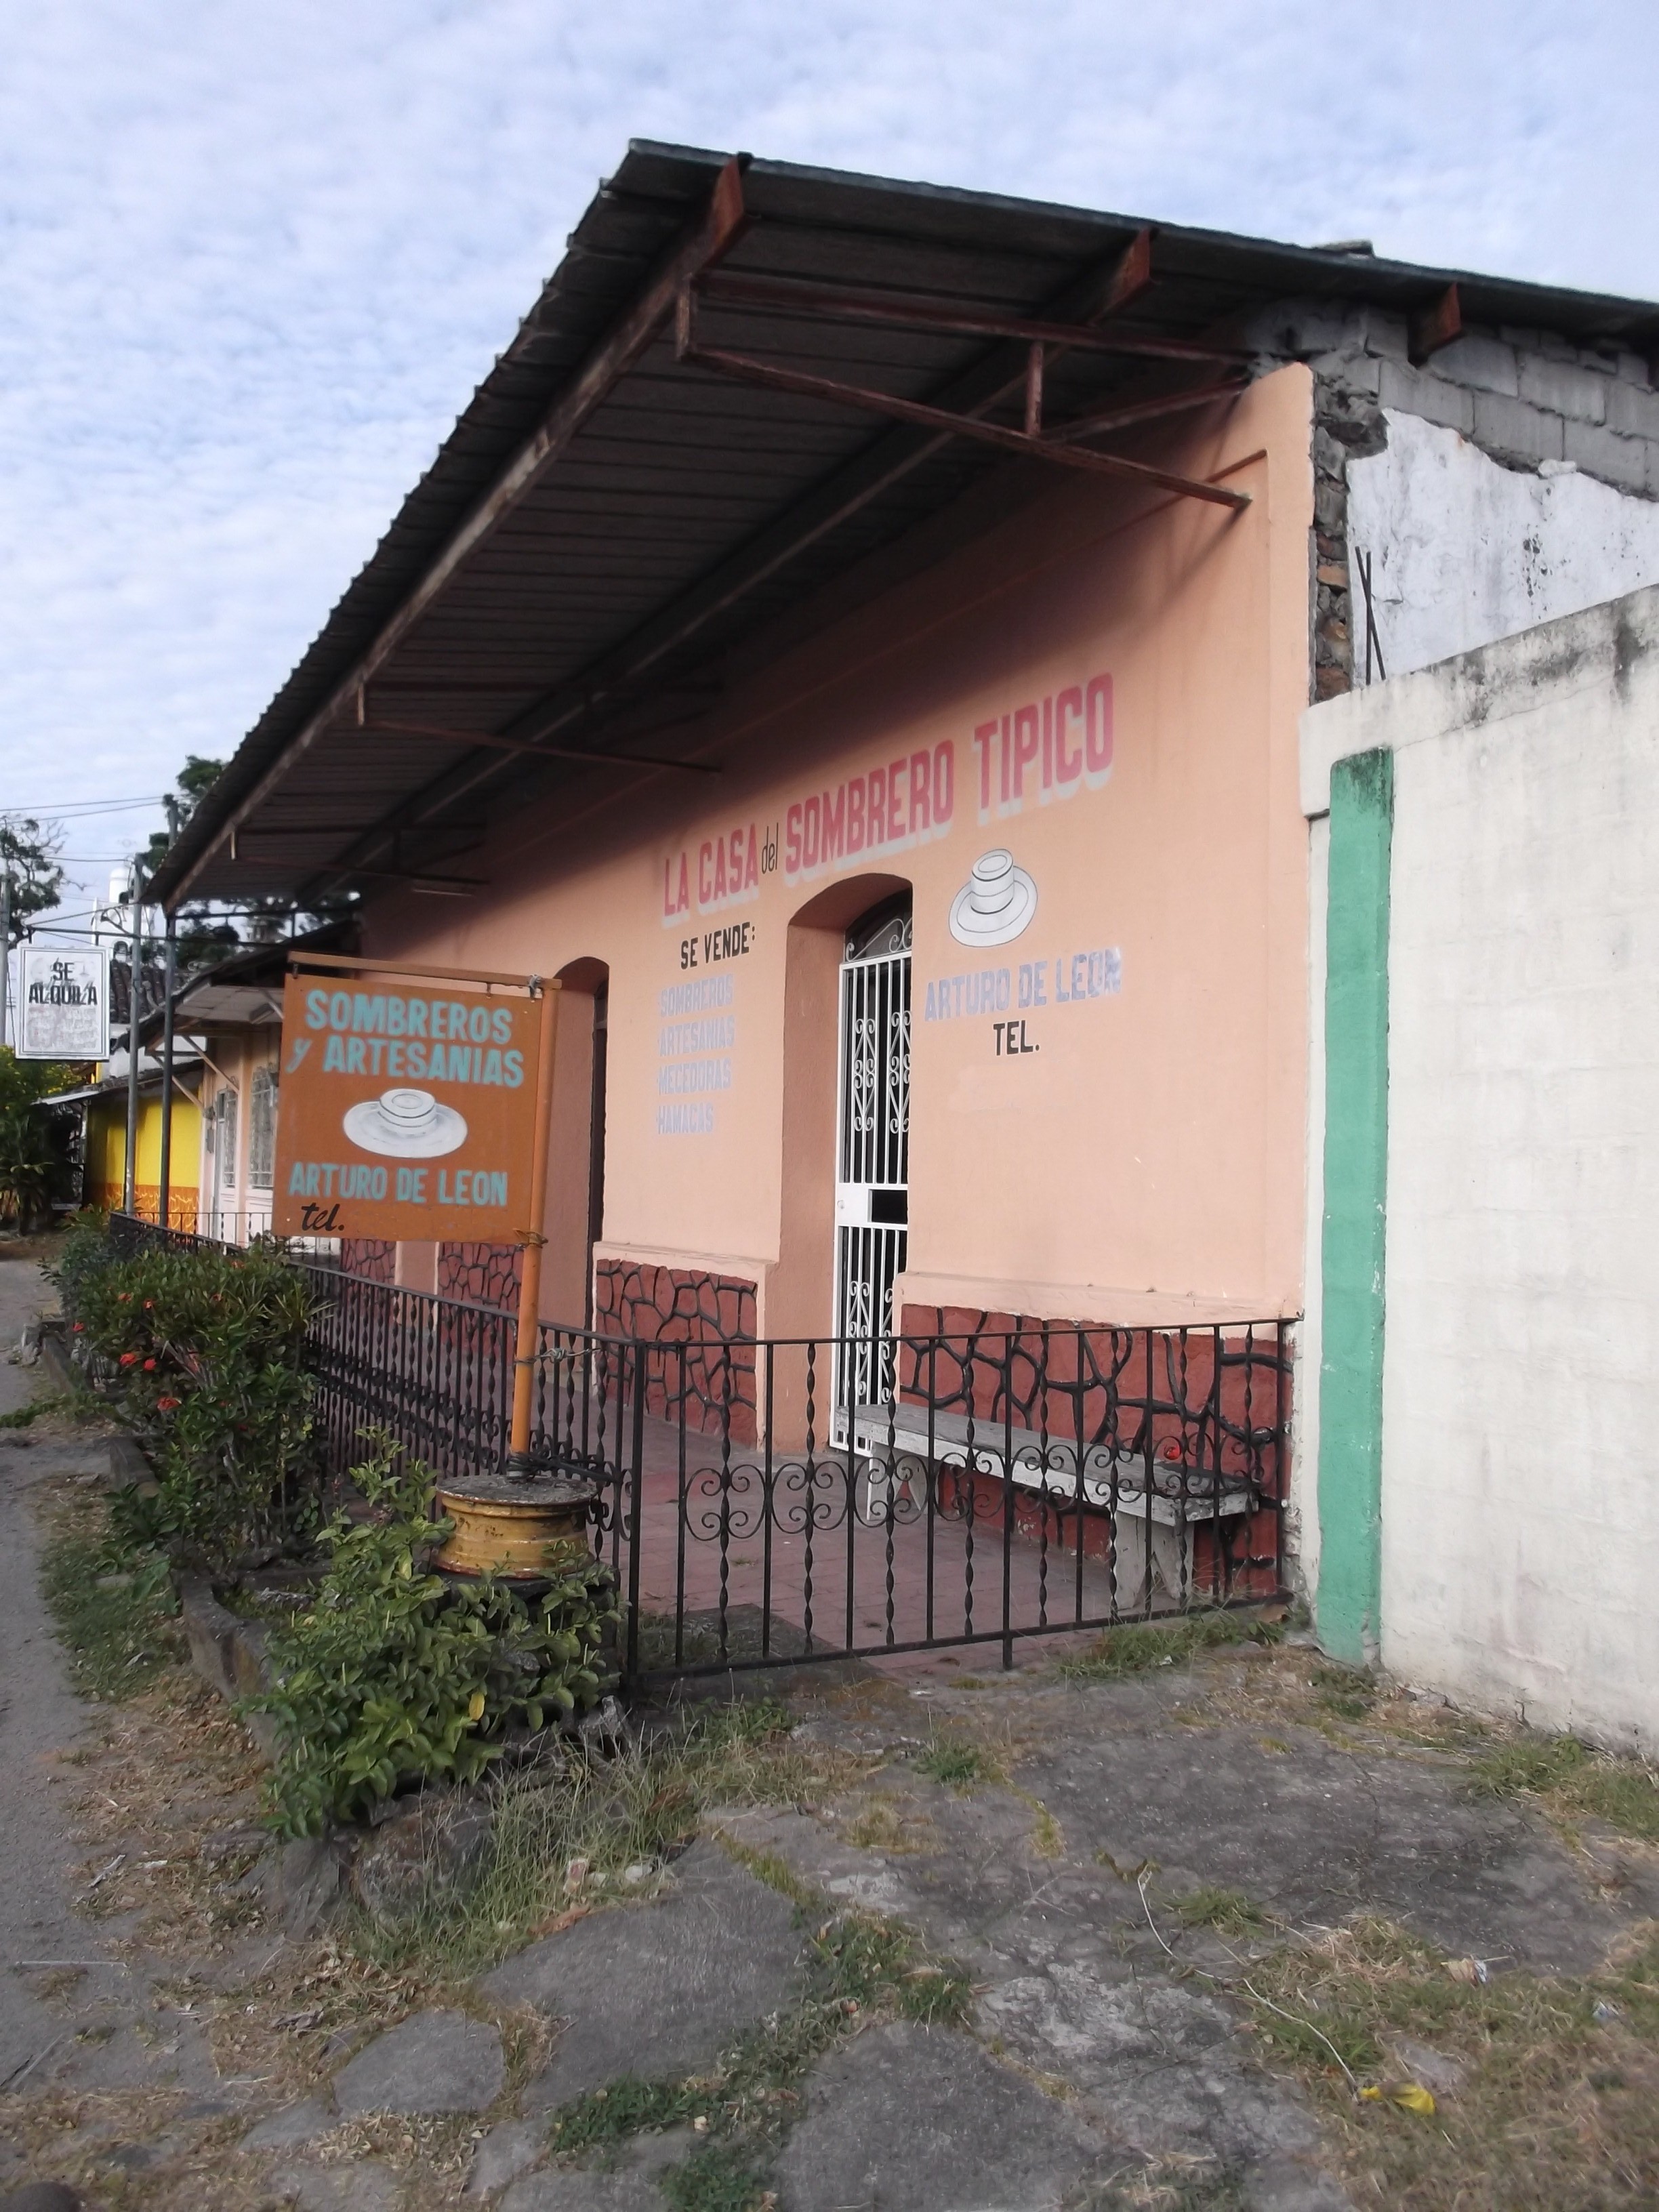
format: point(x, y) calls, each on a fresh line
point(1348, 1604)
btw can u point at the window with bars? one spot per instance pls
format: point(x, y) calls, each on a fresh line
point(262, 1129)
point(224, 1107)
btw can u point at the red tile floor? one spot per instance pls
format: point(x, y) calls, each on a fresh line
point(871, 1587)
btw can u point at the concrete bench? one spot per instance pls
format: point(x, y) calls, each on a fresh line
point(899, 1442)
point(901, 1454)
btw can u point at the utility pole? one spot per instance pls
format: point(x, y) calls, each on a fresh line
point(134, 998)
point(164, 1206)
point(5, 942)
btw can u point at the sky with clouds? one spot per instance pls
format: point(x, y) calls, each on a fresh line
point(258, 256)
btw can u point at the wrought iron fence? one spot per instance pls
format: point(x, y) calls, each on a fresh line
point(1022, 1478)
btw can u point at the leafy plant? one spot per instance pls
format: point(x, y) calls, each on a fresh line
point(33, 1145)
point(394, 1676)
point(204, 1351)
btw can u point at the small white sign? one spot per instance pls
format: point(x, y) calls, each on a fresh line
point(62, 1010)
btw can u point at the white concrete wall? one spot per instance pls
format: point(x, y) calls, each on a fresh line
point(1520, 1447)
point(1465, 551)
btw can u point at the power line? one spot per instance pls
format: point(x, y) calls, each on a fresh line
point(80, 807)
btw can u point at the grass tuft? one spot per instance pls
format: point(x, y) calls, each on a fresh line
point(859, 1969)
point(1573, 1779)
point(1119, 1653)
point(1228, 1910)
point(625, 2108)
point(958, 1766)
point(113, 1604)
point(638, 1809)
point(717, 2177)
point(1558, 2110)
point(1349, 1692)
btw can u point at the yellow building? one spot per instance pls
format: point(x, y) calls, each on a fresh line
point(104, 1177)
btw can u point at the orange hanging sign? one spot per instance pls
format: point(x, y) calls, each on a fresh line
point(407, 1104)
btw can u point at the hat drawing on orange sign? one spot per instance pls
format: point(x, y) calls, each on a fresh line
point(405, 1125)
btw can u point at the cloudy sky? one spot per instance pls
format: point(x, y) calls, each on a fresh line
point(257, 253)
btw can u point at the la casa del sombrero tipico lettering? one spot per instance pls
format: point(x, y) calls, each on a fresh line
point(1043, 750)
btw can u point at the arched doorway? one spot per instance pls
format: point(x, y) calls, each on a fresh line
point(873, 1147)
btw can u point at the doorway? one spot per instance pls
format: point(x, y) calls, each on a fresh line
point(872, 1149)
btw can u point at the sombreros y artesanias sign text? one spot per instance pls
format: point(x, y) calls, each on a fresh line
point(408, 1104)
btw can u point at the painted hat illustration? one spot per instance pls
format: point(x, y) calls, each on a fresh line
point(995, 903)
point(405, 1125)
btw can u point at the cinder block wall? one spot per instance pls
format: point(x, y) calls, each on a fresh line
point(1523, 397)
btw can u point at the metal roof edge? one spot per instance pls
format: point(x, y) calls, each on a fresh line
point(499, 415)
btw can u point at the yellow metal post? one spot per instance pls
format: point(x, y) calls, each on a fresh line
point(530, 1270)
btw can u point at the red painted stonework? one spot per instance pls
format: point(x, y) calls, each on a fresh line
point(1085, 1379)
point(480, 1274)
point(672, 1306)
point(371, 1257)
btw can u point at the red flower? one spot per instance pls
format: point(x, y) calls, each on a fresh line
point(127, 1358)
point(150, 1367)
point(149, 1305)
point(165, 1405)
point(80, 1328)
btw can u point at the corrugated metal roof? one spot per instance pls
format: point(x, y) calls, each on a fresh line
point(686, 510)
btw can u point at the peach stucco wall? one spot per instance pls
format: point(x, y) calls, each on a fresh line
point(1143, 1157)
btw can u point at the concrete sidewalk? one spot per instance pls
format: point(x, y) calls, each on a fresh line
point(1042, 1832)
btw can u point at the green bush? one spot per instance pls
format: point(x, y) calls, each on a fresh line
point(84, 1249)
point(33, 1151)
point(206, 1351)
point(395, 1677)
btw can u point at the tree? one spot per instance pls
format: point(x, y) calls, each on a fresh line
point(29, 855)
point(207, 935)
point(190, 787)
point(34, 1147)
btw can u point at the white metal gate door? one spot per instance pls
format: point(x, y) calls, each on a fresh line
point(872, 1160)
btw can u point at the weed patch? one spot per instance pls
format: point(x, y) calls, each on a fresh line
point(1573, 1779)
point(958, 1766)
point(859, 1969)
point(885, 1826)
point(1177, 2183)
point(1228, 1910)
point(113, 1602)
point(721, 2177)
point(1349, 1692)
point(1557, 2106)
point(1118, 1653)
point(565, 1831)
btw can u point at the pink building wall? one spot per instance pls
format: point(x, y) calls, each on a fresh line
point(1141, 1157)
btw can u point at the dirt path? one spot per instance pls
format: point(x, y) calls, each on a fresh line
point(40, 1717)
